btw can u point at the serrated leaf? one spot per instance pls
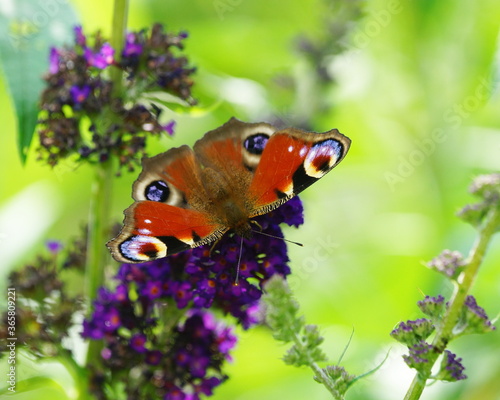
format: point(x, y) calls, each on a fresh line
point(28, 29)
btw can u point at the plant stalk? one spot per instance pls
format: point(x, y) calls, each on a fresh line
point(102, 189)
point(466, 280)
point(98, 234)
point(320, 374)
point(120, 16)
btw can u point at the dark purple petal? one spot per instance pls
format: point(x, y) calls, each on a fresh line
point(111, 320)
point(90, 331)
point(418, 355)
point(79, 93)
point(207, 385)
point(152, 290)
point(132, 46)
point(154, 357)
point(138, 342)
point(80, 38)
point(169, 127)
point(102, 58)
point(53, 60)
point(54, 246)
point(451, 368)
point(121, 293)
point(475, 317)
point(106, 353)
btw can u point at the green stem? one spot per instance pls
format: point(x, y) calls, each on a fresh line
point(102, 189)
point(97, 254)
point(78, 373)
point(465, 282)
point(320, 374)
point(326, 381)
point(120, 15)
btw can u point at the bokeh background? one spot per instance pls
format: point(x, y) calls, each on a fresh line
point(412, 83)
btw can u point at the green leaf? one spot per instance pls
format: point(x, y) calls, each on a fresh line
point(40, 384)
point(28, 28)
point(179, 105)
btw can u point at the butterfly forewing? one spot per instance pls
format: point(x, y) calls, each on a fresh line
point(293, 160)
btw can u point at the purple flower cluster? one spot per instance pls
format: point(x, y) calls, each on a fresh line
point(45, 306)
point(486, 187)
point(150, 60)
point(133, 319)
point(451, 368)
point(418, 355)
point(474, 317)
point(412, 332)
point(79, 89)
point(432, 306)
point(449, 263)
point(181, 363)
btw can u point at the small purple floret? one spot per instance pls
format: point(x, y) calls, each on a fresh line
point(169, 127)
point(80, 38)
point(53, 60)
point(132, 47)
point(79, 93)
point(101, 59)
point(54, 246)
point(452, 368)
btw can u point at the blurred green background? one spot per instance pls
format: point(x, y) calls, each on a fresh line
point(415, 90)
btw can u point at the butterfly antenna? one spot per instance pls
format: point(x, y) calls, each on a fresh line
point(239, 263)
point(277, 237)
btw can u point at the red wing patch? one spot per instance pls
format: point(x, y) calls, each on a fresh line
point(282, 156)
point(293, 160)
point(153, 230)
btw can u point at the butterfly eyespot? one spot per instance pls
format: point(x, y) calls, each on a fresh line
point(255, 144)
point(322, 157)
point(140, 248)
point(157, 191)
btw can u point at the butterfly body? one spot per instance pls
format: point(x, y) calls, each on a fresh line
point(186, 197)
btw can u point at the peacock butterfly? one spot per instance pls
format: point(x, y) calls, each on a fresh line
point(186, 198)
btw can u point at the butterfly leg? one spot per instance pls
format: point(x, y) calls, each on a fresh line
point(256, 223)
point(215, 243)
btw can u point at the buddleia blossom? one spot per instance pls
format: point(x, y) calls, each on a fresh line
point(474, 318)
point(84, 117)
point(131, 319)
point(185, 361)
point(434, 307)
point(449, 263)
point(487, 188)
point(451, 368)
point(412, 332)
point(418, 355)
point(45, 307)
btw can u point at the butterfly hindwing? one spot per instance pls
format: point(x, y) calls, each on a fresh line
point(173, 178)
point(154, 230)
point(168, 215)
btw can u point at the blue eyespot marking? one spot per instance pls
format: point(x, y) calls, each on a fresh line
point(157, 191)
point(255, 144)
